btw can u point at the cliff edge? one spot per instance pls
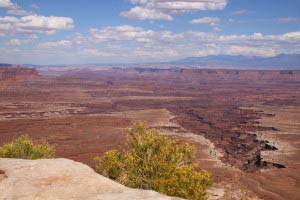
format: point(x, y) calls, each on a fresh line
point(49, 179)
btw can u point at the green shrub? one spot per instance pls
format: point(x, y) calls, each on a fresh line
point(111, 164)
point(158, 163)
point(24, 148)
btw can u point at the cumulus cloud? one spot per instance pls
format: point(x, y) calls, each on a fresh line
point(7, 4)
point(13, 9)
point(18, 11)
point(136, 43)
point(206, 20)
point(34, 24)
point(56, 44)
point(212, 21)
point(252, 50)
point(140, 13)
point(131, 33)
point(118, 33)
point(13, 42)
point(79, 38)
point(165, 9)
point(8, 19)
point(96, 52)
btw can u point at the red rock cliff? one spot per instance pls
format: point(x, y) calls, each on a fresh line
point(11, 75)
point(17, 73)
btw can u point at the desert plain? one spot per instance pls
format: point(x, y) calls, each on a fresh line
point(245, 124)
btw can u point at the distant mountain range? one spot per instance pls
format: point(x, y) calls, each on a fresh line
point(281, 61)
point(5, 65)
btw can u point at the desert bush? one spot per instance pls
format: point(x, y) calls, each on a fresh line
point(156, 162)
point(111, 164)
point(24, 148)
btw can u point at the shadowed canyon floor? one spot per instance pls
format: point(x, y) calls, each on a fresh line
point(246, 128)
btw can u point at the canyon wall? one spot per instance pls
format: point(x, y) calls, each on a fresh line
point(11, 75)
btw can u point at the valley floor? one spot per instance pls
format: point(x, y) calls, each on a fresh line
point(235, 123)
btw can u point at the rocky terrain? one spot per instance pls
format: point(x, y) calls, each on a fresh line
point(287, 75)
point(62, 179)
point(11, 75)
point(86, 112)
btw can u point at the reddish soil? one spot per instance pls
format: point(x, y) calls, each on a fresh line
point(85, 113)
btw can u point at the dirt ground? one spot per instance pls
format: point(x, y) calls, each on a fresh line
point(235, 124)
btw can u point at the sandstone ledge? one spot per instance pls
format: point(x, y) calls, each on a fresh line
point(51, 179)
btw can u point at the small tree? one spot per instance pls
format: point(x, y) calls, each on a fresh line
point(24, 148)
point(158, 163)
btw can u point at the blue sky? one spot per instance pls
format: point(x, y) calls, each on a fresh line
point(106, 31)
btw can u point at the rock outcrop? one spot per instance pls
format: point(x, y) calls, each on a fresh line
point(17, 73)
point(50, 179)
point(13, 75)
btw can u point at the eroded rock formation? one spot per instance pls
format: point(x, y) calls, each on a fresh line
point(17, 73)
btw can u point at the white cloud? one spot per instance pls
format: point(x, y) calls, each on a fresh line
point(165, 9)
point(7, 4)
point(217, 28)
point(48, 23)
point(135, 44)
point(140, 13)
point(131, 33)
point(117, 33)
point(252, 50)
point(132, 43)
point(240, 12)
point(15, 9)
point(8, 20)
point(288, 19)
point(206, 20)
point(56, 44)
point(230, 20)
point(212, 21)
point(13, 42)
point(34, 24)
point(264, 20)
point(33, 37)
point(95, 52)
point(34, 6)
point(188, 5)
point(19, 11)
point(79, 38)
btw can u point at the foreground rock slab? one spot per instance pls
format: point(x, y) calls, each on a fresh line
point(50, 179)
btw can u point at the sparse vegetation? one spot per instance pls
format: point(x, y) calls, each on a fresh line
point(24, 148)
point(156, 162)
